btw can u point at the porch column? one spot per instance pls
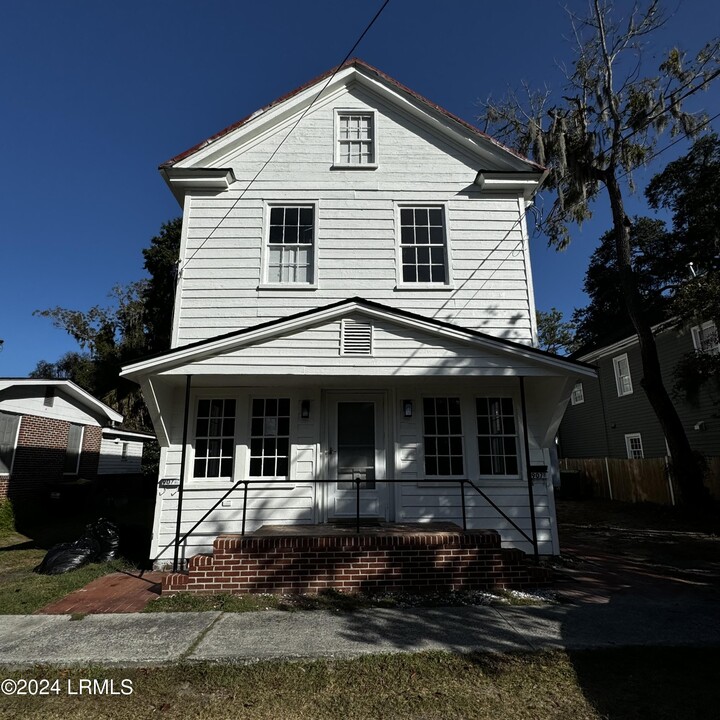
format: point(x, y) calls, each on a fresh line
point(531, 495)
point(186, 415)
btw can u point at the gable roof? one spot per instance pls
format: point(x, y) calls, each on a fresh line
point(69, 388)
point(293, 323)
point(356, 69)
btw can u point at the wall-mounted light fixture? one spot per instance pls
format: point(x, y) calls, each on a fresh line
point(407, 408)
point(304, 409)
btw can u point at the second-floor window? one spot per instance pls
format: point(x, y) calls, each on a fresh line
point(291, 245)
point(622, 375)
point(578, 396)
point(423, 245)
point(705, 338)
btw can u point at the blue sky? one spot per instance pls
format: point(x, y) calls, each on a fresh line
point(95, 95)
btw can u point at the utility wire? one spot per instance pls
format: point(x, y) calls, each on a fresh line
point(289, 132)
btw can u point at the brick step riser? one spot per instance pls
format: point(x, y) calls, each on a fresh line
point(351, 564)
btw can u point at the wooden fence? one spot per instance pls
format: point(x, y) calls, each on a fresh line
point(635, 480)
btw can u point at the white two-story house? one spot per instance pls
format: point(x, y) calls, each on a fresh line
point(354, 310)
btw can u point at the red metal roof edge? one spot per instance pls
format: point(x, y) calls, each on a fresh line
point(357, 62)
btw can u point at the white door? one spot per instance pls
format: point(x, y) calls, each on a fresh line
point(356, 453)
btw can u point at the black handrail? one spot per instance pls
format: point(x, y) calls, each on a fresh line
point(461, 481)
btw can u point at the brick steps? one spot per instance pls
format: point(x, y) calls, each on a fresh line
point(414, 562)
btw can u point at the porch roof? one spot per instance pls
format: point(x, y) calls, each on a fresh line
point(179, 358)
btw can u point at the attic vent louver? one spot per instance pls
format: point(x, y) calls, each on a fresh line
point(356, 338)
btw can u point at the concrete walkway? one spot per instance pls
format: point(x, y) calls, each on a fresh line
point(156, 638)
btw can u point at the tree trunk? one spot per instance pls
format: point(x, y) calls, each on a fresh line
point(687, 470)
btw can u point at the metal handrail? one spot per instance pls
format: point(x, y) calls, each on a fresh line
point(461, 481)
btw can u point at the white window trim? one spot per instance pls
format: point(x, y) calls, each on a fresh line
point(293, 286)
point(272, 480)
point(80, 450)
point(439, 480)
point(628, 438)
point(697, 343)
point(577, 398)
point(518, 437)
point(337, 163)
point(422, 286)
point(618, 382)
point(15, 446)
point(192, 432)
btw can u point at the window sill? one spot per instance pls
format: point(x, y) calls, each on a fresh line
point(224, 484)
point(343, 166)
point(423, 287)
point(294, 287)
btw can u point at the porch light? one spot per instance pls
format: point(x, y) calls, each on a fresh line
point(407, 408)
point(305, 409)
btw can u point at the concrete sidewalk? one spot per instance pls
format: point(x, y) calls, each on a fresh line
point(161, 638)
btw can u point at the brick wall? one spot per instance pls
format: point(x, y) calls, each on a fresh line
point(422, 562)
point(40, 455)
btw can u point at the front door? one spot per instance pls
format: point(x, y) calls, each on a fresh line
point(356, 454)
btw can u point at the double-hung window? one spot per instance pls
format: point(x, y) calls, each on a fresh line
point(214, 438)
point(443, 437)
point(578, 395)
point(423, 245)
point(355, 143)
point(9, 428)
point(71, 465)
point(291, 245)
point(705, 338)
point(270, 437)
point(633, 444)
point(497, 436)
point(623, 380)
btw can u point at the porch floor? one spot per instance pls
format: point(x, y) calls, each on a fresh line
point(348, 527)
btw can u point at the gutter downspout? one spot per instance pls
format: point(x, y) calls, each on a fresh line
point(531, 494)
point(182, 472)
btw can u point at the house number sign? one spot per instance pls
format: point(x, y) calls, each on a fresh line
point(538, 472)
point(169, 482)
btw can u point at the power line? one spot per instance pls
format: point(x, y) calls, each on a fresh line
point(290, 131)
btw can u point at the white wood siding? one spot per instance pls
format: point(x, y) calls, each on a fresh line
point(396, 351)
point(299, 500)
point(356, 231)
point(27, 400)
point(111, 457)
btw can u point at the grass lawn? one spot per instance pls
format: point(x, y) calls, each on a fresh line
point(662, 684)
point(23, 591)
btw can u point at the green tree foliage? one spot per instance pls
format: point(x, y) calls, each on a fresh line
point(137, 322)
point(606, 124)
point(605, 319)
point(161, 260)
point(554, 335)
point(690, 188)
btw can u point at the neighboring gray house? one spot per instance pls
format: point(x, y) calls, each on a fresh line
point(611, 416)
point(354, 304)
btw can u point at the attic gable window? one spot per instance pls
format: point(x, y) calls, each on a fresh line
point(355, 143)
point(290, 255)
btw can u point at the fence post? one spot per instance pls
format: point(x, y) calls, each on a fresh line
point(607, 472)
point(668, 475)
